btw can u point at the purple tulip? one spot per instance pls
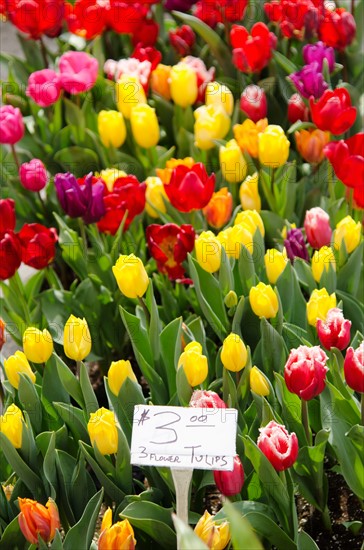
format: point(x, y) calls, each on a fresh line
point(318, 52)
point(309, 81)
point(96, 209)
point(80, 200)
point(179, 5)
point(295, 245)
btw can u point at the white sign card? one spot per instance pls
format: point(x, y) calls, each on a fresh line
point(184, 437)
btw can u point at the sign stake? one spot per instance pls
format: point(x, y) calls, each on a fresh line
point(182, 480)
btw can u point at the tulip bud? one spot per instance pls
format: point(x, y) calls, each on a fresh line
point(263, 301)
point(33, 175)
point(319, 304)
point(15, 365)
point(120, 535)
point(103, 432)
point(194, 364)
point(234, 238)
point(280, 447)
point(232, 162)
point(11, 125)
point(38, 520)
point(334, 332)
point(231, 299)
point(246, 135)
point(155, 195)
point(183, 85)
point(354, 368)
point(252, 220)
point(219, 209)
point(297, 109)
point(258, 382)
point(305, 371)
point(37, 345)
point(145, 126)
point(119, 371)
point(234, 354)
point(130, 275)
point(208, 251)
point(76, 338)
point(349, 232)
point(253, 102)
point(317, 227)
point(160, 80)
point(206, 400)
point(230, 483)
point(129, 94)
point(311, 143)
point(322, 260)
point(219, 94)
point(182, 39)
point(215, 535)
point(249, 194)
point(111, 127)
point(273, 146)
point(11, 425)
point(295, 245)
point(275, 263)
point(211, 123)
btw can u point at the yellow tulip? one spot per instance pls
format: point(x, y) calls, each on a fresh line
point(130, 274)
point(15, 365)
point(145, 126)
point(129, 94)
point(155, 195)
point(219, 94)
point(319, 304)
point(232, 162)
point(120, 535)
point(273, 146)
point(11, 425)
point(103, 432)
point(194, 364)
point(208, 251)
point(249, 194)
point(246, 135)
point(234, 237)
point(111, 128)
point(263, 301)
point(119, 371)
point(215, 535)
point(37, 345)
point(211, 122)
point(109, 176)
point(183, 85)
point(349, 232)
point(234, 354)
point(322, 260)
point(160, 81)
point(258, 382)
point(275, 263)
point(251, 219)
point(76, 338)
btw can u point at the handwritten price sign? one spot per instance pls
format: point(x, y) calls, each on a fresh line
point(181, 437)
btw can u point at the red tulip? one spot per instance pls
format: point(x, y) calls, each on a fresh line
point(190, 188)
point(86, 18)
point(333, 112)
point(358, 197)
point(334, 332)
point(38, 244)
point(337, 29)
point(253, 102)
point(213, 12)
point(305, 371)
point(10, 254)
point(7, 215)
point(125, 17)
point(147, 53)
point(347, 159)
point(206, 399)
point(36, 17)
point(169, 245)
point(317, 227)
point(182, 39)
point(280, 447)
point(297, 109)
point(252, 52)
point(230, 483)
point(146, 32)
point(354, 368)
point(296, 18)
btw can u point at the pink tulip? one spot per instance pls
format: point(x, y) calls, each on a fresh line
point(317, 227)
point(305, 371)
point(11, 125)
point(334, 332)
point(230, 483)
point(206, 399)
point(253, 102)
point(280, 447)
point(78, 72)
point(354, 368)
point(33, 175)
point(44, 87)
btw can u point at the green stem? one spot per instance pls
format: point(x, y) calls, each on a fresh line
point(16, 282)
point(145, 309)
point(15, 156)
point(305, 421)
point(78, 369)
point(83, 235)
point(44, 52)
point(326, 519)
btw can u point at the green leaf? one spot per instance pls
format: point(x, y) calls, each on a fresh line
point(287, 65)
point(154, 324)
point(242, 533)
point(186, 536)
point(171, 345)
point(69, 381)
point(30, 401)
point(12, 538)
point(111, 489)
point(81, 489)
point(88, 393)
point(184, 390)
point(78, 160)
point(74, 420)
point(274, 351)
point(81, 534)
point(291, 408)
point(246, 270)
point(293, 302)
point(49, 466)
point(305, 542)
point(130, 394)
point(153, 520)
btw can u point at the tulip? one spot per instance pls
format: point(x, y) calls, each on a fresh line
point(295, 245)
point(280, 447)
point(230, 483)
point(206, 400)
point(253, 102)
point(194, 364)
point(179, 5)
point(252, 52)
point(322, 260)
point(183, 85)
point(258, 382)
point(160, 79)
point(275, 263)
point(347, 159)
point(10, 254)
point(103, 431)
point(37, 345)
point(118, 372)
point(319, 304)
point(33, 175)
point(297, 109)
point(129, 94)
point(232, 162)
point(11, 125)
point(111, 128)
point(38, 245)
point(165, 174)
point(213, 13)
point(155, 195)
point(144, 126)
point(44, 87)
point(211, 123)
point(120, 535)
point(297, 19)
point(334, 332)
point(109, 177)
point(2, 334)
point(182, 39)
point(38, 520)
point(234, 238)
point(234, 354)
point(208, 251)
point(76, 338)
point(273, 146)
point(80, 199)
point(317, 53)
point(190, 188)
point(15, 365)
point(246, 135)
point(252, 220)
point(311, 143)
point(354, 368)
point(333, 112)
point(86, 18)
point(309, 81)
point(349, 232)
point(305, 371)
point(219, 209)
point(337, 28)
point(37, 17)
point(11, 425)
point(317, 227)
point(127, 196)
point(219, 94)
point(231, 299)
point(215, 536)
point(130, 275)
point(263, 301)
point(7, 215)
point(249, 194)
point(78, 71)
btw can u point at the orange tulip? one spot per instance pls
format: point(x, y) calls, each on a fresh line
point(219, 209)
point(246, 135)
point(310, 144)
point(160, 81)
point(36, 519)
point(120, 535)
point(165, 173)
